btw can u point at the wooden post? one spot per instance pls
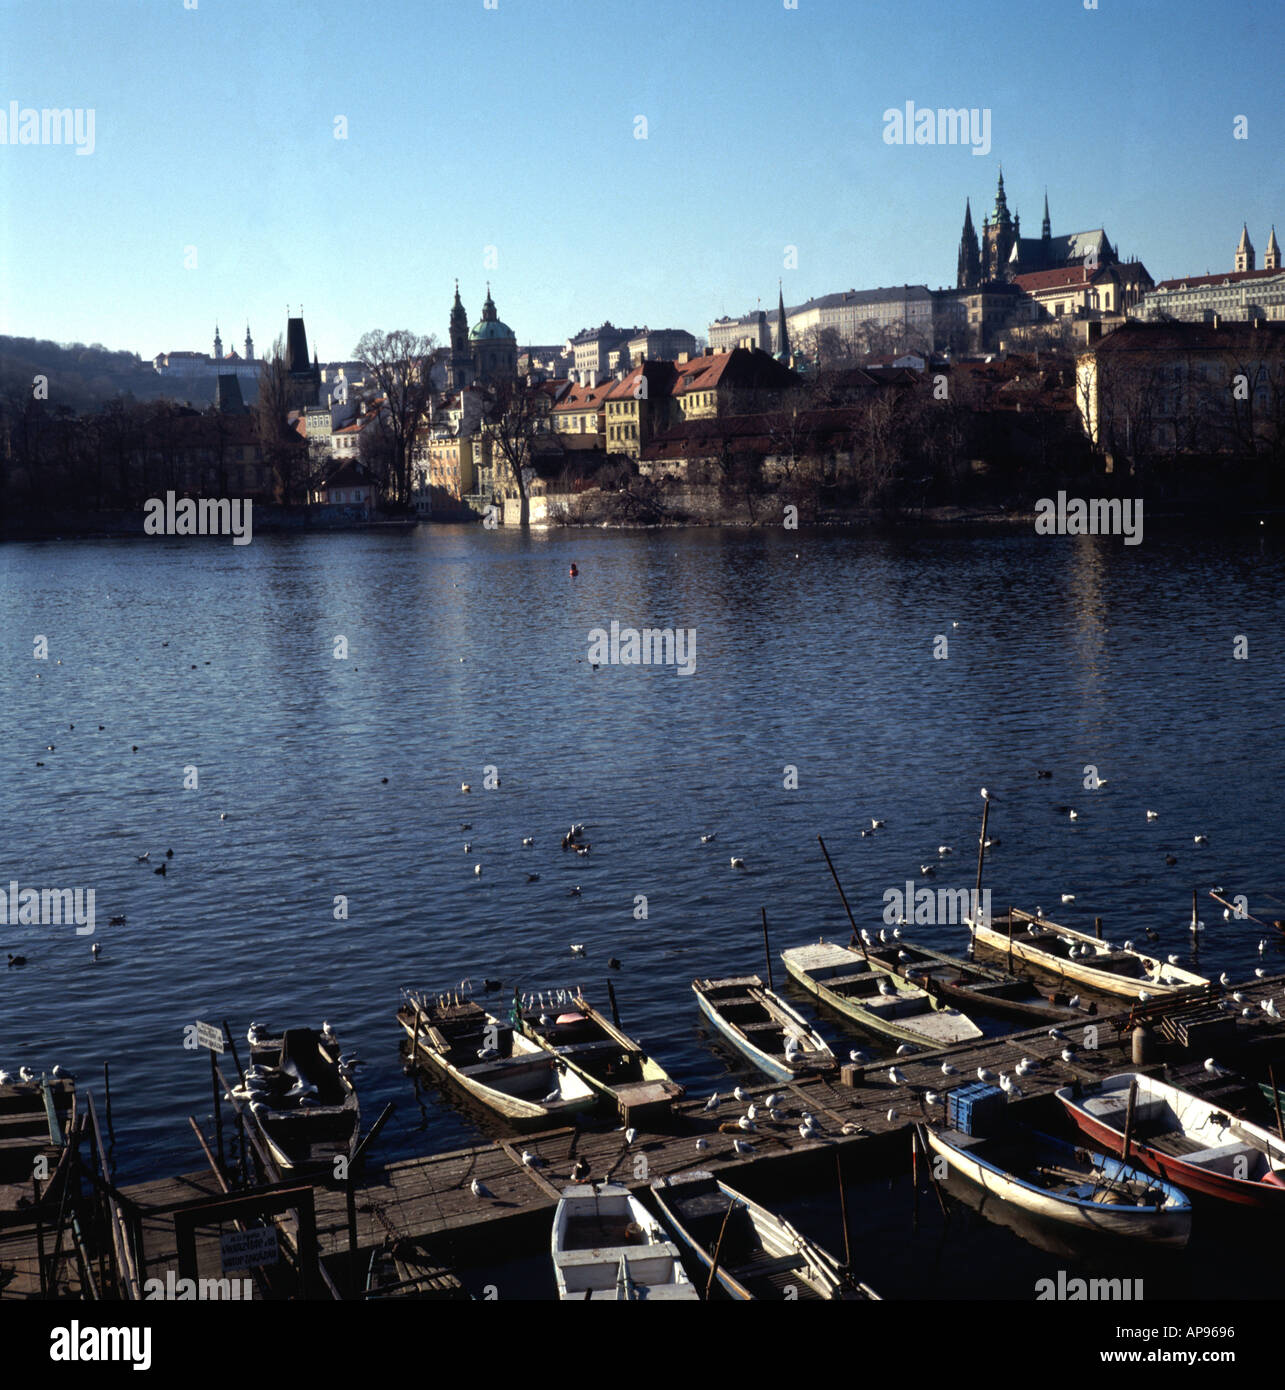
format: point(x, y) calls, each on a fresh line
point(981, 855)
point(40, 1238)
point(1276, 1097)
point(611, 999)
point(914, 1177)
point(856, 935)
point(227, 1033)
point(1097, 927)
point(1010, 938)
point(843, 1213)
point(218, 1108)
point(1128, 1120)
point(767, 949)
point(1194, 918)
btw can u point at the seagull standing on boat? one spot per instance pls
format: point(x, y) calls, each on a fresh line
point(256, 1034)
point(1213, 1068)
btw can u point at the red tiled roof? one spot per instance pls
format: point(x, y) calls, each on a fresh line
point(1038, 280)
point(1232, 277)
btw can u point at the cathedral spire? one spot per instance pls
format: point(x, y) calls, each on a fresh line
point(782, 332)
point(968, 266)
point(218, 344)
point(1272, 256)
point(1046, 231)
point(1244, 250)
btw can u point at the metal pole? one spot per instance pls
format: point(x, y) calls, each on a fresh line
point(767, 949)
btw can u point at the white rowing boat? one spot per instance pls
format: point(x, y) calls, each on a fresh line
point(607, 1245)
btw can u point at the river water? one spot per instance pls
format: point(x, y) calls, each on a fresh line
point(321, 777)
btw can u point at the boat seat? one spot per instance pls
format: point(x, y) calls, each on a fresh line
point(760, 1027)
point(1221, 1158)
point(759, 1269)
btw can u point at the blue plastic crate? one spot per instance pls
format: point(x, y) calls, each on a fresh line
point(976, 1109)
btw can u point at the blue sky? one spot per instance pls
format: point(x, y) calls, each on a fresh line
point(514, 129)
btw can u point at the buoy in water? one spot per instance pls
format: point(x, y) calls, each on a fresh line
point(574, 571)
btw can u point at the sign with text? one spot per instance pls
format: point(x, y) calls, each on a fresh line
point(207, 1035)
point(248, 1249)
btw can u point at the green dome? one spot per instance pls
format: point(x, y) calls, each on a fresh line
point(490, 328)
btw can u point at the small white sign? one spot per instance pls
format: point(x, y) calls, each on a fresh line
point(248, 1249)
point(207, 1035)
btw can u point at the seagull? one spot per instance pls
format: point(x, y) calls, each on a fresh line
point(944, 850)
point(986, 796)
point(581, 1171)
point(1144, 996)
point(575, 892)
point(926, 869)
point(1068, 897)
point(737, 863)
point(776, 1116)
point(577, 948)
point(984, 1075)
point(857, 1056)
point(806, 1131)
point(480, 1189)
point(1068, 1054)
point(741, 1094)
point(1074, 1001)
point(1259, 971)
point(468, 848)
point(1128, 945)
point(1270, 1008)
point(630, 1135)
point(746, 1124)
point(1153, 815)
point(256, 1034)
point(26, 1074)
point(1173, 960)
point(1056, 1033)
point(5, 1078)
point(710, 838)
point(896, 1075)
point(1262, 945)
point(866, 937)
point(742, 1147)
point(1074, 815)
point(892, 1115)
point(947, 1069)
point(1224, 979)
point(772, 1101)
point(1213, 1068)
point(530, 1160)
point(931, 1097)
point(1238, 996)
point(1201, 839)
point(223, 815)
point(712, 1103)
point(876, 824)
point(753, 1112)
point(143, 858)
point(702, 1145)
point(465, 787)
point(67, 1076)
point(96, 949)
point(904, 1050)
point(528, 841)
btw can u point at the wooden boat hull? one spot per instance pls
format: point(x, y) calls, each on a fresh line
point(1160, 979)
point(1169, 1224)
point(773, 1064)
point(301, 1139)
point(1104, 1125)
point(929, 1029)
point(576, 1095)
point(607, 1246)
point(782, 1262)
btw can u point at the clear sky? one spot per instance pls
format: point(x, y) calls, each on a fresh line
point(514, 128)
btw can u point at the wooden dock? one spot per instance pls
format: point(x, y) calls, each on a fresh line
point(426, 1205)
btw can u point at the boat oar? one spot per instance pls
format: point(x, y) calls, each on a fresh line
point(1128, 1120)
point(843, 1216)
point(1124, 1158)
point(856, 935)
point(767, 949)
point(1235, 909)
point(718, 1247)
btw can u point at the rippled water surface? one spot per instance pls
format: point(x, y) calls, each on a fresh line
point(468, 649)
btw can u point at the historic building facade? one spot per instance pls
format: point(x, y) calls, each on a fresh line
point(1241, 293)
point(484, 354)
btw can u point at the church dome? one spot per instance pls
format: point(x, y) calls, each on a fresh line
point(490, 329)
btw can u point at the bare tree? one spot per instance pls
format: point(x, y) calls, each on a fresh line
point(400, 364)
point(512, 411)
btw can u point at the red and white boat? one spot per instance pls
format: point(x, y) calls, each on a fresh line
point(1183, 1139)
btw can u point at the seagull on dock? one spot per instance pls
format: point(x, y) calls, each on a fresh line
point(1056, 1033)
point(1009, 1086)
point(1068, 1054)
point(630, 1135)
point(5, 1078)
point(26, 1074)
point(741, 1094)
point(742, 1147)
point(256, 1034)
point(1213, 1068)
point(856, 1055)
point(931, 1097)
point(1224, 979)
point(1074, 1001)
point(892, 1114)
point(904, 1049)
point(896, 1075)
point(947, 1069)
point(806, 1130)
point(480, 1189)
point(580, 1172)
point(984, 1075)
point(712, 1103)
point(1270, 1009)
point(753, 1112)
point(1144, 996)
point(1238, 996)
point(530, 1160)
point(746, 1124)
point(772, 1101)
point(702, 1145)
